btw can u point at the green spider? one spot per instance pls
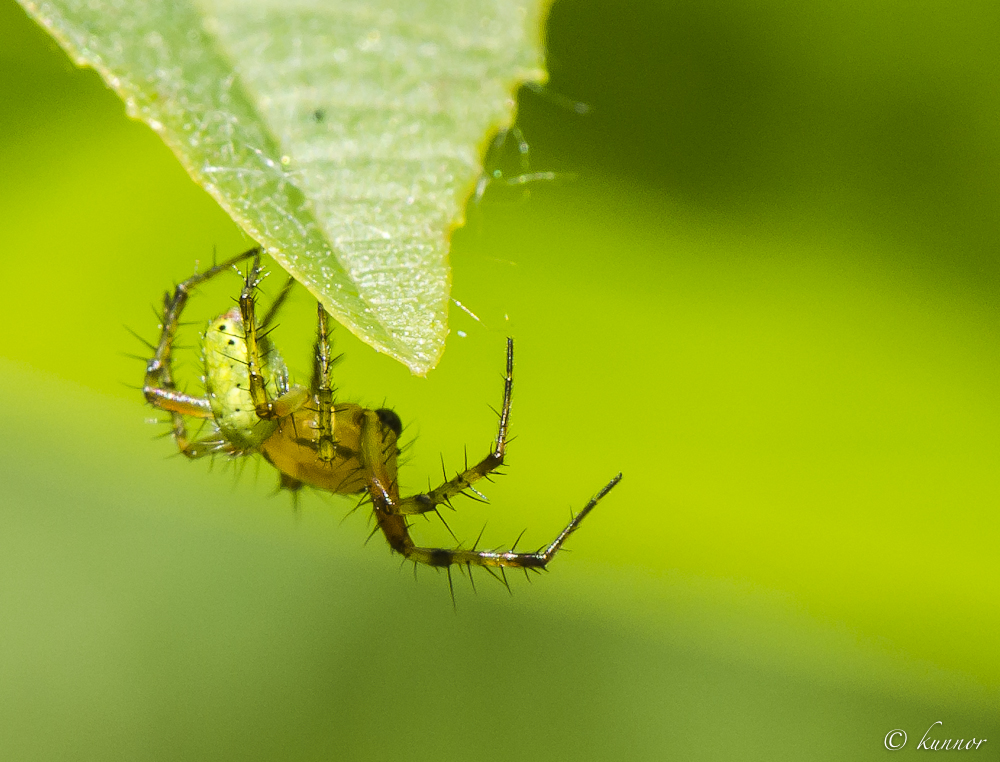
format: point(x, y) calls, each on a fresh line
point(309, 437)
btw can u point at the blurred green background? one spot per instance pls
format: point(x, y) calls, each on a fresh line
point(764, 287)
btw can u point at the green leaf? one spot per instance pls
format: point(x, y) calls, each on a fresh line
point(342, 136)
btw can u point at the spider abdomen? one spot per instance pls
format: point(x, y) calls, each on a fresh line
point(227, 382)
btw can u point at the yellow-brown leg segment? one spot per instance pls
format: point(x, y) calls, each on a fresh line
point(322, 388)
point(429, 501)
point(158, 387)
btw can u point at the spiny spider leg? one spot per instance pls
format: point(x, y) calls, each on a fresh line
point(158, 387)
point(397, 534)
point(322, 388)
point(278, 303)
point(376, 446)
point(289, 400)
point(429, 501)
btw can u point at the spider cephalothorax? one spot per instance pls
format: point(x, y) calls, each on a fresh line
point(309, 437)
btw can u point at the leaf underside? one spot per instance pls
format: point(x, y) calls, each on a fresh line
point(343, 136)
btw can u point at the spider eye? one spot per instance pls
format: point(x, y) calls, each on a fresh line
point(390, 419)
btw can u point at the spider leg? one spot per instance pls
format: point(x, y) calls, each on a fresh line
point(376, 454)
point(429, 501)
point(492, 558)
point(159, 387)
point(265, 407)
point(181, 405)
point(278, 303)
point(322, 387)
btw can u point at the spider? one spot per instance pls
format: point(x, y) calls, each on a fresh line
point(312, 439)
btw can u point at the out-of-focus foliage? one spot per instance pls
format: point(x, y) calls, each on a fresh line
point(343, 136)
